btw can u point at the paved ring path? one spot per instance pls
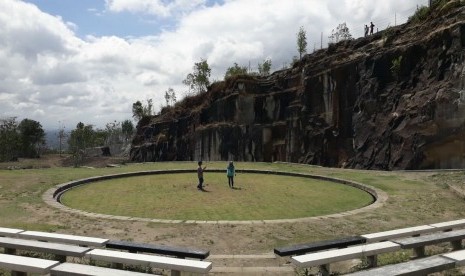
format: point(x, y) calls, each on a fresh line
point(52, 197)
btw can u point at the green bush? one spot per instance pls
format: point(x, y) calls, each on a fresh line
point(395, 66)
point(420, 15)
point(388, 35)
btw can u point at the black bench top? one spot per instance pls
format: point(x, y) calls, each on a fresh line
point(179, 252)
point(319, 245)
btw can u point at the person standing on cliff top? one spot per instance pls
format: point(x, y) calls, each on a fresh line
point(366, 30)
point(372, 26)
point(200, 175)
point(231, 172)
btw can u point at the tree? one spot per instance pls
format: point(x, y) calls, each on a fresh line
point(265, 67)
point(9, 139)
point(170, 97)
point(113, 133)
point(301, 42)
point(235, 70)
point(127, 128)
point(81, 138)
point(32, 137)
point(139, 110)
point(340, 34)
point(148, 108)
point(199, 79)
point(61, 136)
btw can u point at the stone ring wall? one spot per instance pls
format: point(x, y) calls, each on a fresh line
point(53, 195)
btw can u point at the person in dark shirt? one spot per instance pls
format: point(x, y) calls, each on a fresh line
point(200, 175)
point(231, 172)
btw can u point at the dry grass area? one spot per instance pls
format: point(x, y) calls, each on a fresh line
point(414, 199)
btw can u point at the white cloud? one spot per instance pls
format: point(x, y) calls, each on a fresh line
point(49, 74)
point(156, 7)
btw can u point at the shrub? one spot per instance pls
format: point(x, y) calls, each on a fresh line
point(420, 15)
point(395, 66)
point(388, 35)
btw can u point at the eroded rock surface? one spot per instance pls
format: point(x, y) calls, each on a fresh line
point(345, 106)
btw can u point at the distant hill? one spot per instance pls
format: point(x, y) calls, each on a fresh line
point(53, 142)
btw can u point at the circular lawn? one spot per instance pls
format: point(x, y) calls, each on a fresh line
point(254, 197)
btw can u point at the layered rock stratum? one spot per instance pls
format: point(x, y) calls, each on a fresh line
point(394, 100)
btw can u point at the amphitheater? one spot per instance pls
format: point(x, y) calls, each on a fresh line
point(245, 246)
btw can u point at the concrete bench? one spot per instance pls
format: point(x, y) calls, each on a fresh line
point(179, 252)
point(423, 266)
point(63, 238)
point(20, 265)
point(9, 232)
point(399, 233)
point(323, 259)
point(318, 246)
point(449, 225)
point(70, 269)
point(457, 256)
point(418, 243)
point(174, 264)
point(61, 251)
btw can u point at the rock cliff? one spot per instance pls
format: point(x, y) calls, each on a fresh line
point(394, 100)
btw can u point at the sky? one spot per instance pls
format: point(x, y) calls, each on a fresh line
point(70, 61)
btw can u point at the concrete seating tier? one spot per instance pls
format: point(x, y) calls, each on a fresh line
point(323, 259)
point(415, 238)
point(9, 232)
point(179, 252)
point(61, 251)
point(62, 245)
point(423, 266)
point(176, 265)
point(449, 225)
point(418, 243)
point(318, 246)
point(64, 238)
point(20, 265)
point(70, 269)
point(397, 233)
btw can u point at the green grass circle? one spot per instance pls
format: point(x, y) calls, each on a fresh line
point(256, 197)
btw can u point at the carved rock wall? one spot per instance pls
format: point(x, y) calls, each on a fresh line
point(345, 106)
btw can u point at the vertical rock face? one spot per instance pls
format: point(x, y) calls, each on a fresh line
point(395, 100)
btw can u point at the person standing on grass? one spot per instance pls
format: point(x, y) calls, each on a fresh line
point(230, 172)
point(200, 175)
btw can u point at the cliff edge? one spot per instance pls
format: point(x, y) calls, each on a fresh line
point(394, 100)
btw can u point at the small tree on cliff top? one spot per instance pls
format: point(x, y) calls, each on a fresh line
point(170, 97)
point(265, 67)
point(199, 79)
point(235, 70)
point(139, 110)
point(340, 34)
point(301, 42)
